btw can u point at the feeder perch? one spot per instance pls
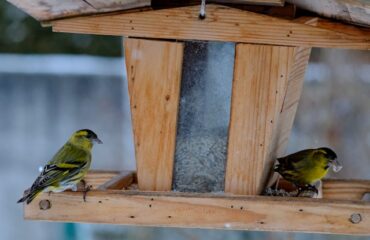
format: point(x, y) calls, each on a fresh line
point(272, 49)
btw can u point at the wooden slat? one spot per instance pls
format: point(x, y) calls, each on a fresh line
point(292, 95)
point(153, 73)
point(222, 24)
point(352, 11)
point(336, 189)
point(344, 28)
point(345, 189)
point(288, 11)
point(289, 107)
point(46, 10)
point(205, 211)
point(177, 3)
point(121, 181)
point(252, 2)
point(339, 189)
point(261, 75)
point(117, 5)
point(95, 178)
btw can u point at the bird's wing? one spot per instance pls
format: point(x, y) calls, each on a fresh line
point(56, 173)
point(66, 163)
point(296, 160)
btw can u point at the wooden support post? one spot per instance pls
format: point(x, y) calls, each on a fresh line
point(266, 89)
point(154, 73)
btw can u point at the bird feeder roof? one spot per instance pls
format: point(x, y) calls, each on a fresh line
point(351, 11)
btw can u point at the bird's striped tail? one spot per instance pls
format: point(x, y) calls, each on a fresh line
point(29, 196)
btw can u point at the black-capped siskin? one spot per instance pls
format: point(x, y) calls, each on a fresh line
point(67, 168)
point(306, 167)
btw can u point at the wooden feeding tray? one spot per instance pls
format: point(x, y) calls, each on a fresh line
point(271, 55)
point(116, 200)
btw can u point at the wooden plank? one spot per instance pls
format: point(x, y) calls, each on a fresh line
point(252, 2)
point(117, 5)
point(154, 73)
point(205, 211)
point(46, 10)
point(351, 11)
point(177, 3)
point(339, 189)
point(223, 24)
point(336, 189)
point(287, 11)
point(261, 75)
point(121, 181)
point(345, 189)
point(344, 28)
point(292, 96)
point(289, 107)
point(95, 178)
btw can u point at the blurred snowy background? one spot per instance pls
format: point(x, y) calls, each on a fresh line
point(52, 84)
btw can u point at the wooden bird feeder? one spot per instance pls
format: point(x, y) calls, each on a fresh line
point(272, 48)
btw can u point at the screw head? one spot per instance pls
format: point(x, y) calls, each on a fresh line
point(44, 204)
point(355, 218)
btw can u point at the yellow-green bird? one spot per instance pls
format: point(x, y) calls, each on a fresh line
point(306, 167)
point(67, 168)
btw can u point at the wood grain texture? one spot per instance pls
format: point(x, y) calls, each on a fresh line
point(95, 178)
point(121, 181)
point(339, 189)
point(222, 24)
point(292, 96)
point(288, 11)
point(289, 107)
point(154, 73)
point(344, 28)
point(261, 76)
point(46, 10)
point(205, 211)
point(352, 11)
point(252, 2)
point(345, 189)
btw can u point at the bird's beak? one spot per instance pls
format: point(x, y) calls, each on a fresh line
point(97, 140)
point(336, 165)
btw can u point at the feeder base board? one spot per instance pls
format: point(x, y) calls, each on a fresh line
point(194, 210)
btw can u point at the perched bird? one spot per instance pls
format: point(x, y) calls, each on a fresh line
point(67, 168)
point(306, 167)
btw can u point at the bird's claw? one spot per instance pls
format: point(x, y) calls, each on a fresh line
point(307, 188)
point(313, 189)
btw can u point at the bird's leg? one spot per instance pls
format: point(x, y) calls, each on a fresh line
point(85, 189)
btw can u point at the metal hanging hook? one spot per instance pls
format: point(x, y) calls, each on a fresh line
point(202, 12)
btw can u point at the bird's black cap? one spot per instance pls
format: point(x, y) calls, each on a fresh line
point(90, 134)
point(329, 153)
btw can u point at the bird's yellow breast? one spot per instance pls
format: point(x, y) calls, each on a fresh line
point(315, 174)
